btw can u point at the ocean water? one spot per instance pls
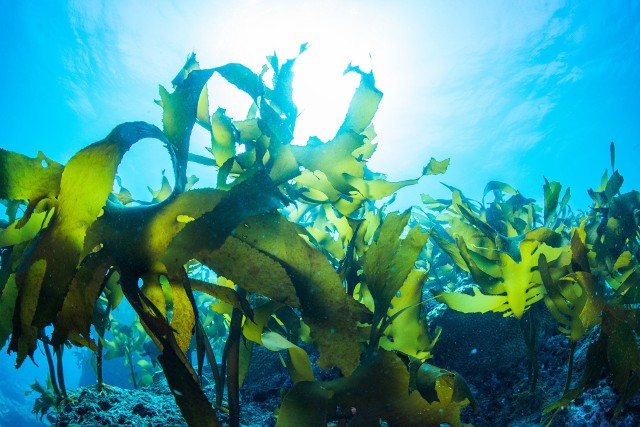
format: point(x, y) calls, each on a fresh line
point(509, 91)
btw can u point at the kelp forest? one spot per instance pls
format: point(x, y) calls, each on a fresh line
point(297, 250)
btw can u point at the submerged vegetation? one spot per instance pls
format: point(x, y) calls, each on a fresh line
point(292, 247)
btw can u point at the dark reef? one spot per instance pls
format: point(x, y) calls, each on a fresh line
point(155, 406)
point(497, 373)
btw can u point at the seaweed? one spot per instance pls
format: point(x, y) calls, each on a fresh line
point(386, 385)
point(583, 266)
point(293, 248)
point(80, 247)
point(130, 342)
point(47, 399)
point(603, 290)
point(499, 247)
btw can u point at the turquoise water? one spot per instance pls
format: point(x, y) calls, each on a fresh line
point(511, 91)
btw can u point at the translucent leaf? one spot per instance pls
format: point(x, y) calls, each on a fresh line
point(179, 114)
point(551, 196)
point(376, 189)
point(13, 235)
point(574, 300)
point(223, 137)
point(248, 130)
point(285, 166)
point(75, 319)
point(300, 368)
point(378, 390)
point(516, 279)
point(208, 231)
point(438, 385)
point(227, 295)
point(282, 94)
point(476, 303)
point(613, 185)
point(25, 178)
point(407, 332)
point(333, 158)
point(86, 183)
point(364, 103)
point(243, 78)
point(153, 291)
point(391, 257)
point(435, 167)
point(481, 275)
point(183, 317)
point(252, 270)
point(262, 313)
point(498, 186)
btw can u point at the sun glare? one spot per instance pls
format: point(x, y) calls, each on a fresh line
point(321, 91)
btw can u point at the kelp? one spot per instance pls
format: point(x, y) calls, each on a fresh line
point(386, 385)
point(584, 267)
point(499, 247)
point(378, 390)
point(36, 180)
point(47, 399)
point(79, 246)
point(300, 250)
point(602, 290)
point(128, 341)
point(330, 313)
point(45, 273)
point(388, 264)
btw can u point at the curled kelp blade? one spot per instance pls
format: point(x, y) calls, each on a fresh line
point(45, 273)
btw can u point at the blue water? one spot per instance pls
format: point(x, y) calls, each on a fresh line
point(510, 90)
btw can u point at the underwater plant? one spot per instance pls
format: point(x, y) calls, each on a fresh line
point(499, 246)
point(293, 249)
point(604, 290)
point(584, 268)
point(47, 399)
point(68, 235)
point(393, 381)
point(129, 341)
